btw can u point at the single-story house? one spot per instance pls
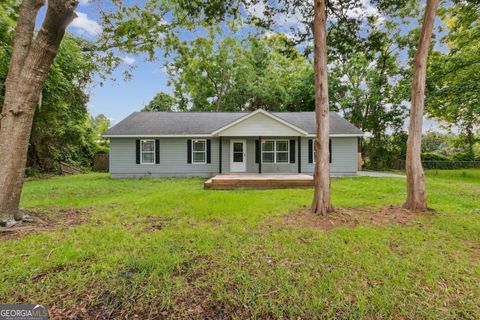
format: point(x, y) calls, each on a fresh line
point(204, 144)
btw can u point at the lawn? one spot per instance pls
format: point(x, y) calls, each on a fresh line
point(166, 248)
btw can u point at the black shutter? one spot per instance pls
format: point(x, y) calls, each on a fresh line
point(310, 151)
point(299, 155)
point(137, 151)
point(330, 149)
point(157, 151)
point(292, 151)
point(189, 151)
point(209, 151)
point(257, 151)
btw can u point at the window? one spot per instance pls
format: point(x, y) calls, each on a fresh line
point(147, 151)
point(275, 151)
point(282, 151)
point(199, 151)
point(268, 151)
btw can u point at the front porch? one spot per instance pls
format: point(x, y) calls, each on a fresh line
point(259, 181)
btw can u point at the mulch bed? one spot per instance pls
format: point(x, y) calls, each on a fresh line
point(352, 217)
point(44, 220)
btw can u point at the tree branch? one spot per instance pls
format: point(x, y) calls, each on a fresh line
point(23, 37)
point(45, 47)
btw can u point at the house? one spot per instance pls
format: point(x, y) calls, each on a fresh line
point(205, 144)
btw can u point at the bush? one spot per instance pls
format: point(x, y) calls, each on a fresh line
point(433, 156)
point(463, 156)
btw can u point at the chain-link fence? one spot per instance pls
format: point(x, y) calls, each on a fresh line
point(441, 165)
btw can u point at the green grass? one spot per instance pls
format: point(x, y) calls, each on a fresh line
point(225, 254)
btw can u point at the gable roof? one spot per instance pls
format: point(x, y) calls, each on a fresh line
point(158, 124)
point(253, 114)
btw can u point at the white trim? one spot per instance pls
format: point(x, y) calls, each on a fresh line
point(204, 151)
point(141, 151)
point(247, 116)
point(275, 151)
point(244, 163)
point(140, 136)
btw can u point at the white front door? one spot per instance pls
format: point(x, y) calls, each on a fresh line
point(238, 156)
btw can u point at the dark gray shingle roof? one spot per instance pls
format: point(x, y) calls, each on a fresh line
point(199, 123)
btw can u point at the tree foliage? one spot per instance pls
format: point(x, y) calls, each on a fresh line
point(61, 130)
point(369, 85)
point(161, 102)
point(231, 74)
point(454, 87)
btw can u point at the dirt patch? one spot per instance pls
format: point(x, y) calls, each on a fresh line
point(151, 223)
point(352, 217)
point(44, 220)
point(473, 249)
point(194, 299)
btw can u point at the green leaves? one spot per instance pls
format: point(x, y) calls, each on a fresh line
point(161, 102)
point(453, 88)
point(232, 74)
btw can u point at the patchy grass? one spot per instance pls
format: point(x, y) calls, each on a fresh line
point(168, 248)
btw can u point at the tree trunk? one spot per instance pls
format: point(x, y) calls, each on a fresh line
point(31, 60)
point(470, 141)
point(416, 195)
point(321, 198)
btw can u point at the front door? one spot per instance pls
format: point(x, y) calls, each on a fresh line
point(238, 156)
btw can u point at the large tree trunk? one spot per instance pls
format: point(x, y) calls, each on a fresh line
point(31, 60)
point(416, 195)
point(321, 198)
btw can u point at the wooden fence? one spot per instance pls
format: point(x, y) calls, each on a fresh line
point(100, 162)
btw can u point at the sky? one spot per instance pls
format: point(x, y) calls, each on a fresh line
point(117, 99)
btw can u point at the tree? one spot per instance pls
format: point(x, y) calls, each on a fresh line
point(31, 59)
point(368, 85)
point(416, 195)
point(100, 124)
point(321, 197)
point(161, 102)
point(237, 74)
point(436, 142)
point(61, 129)
point(203, 72)
point(454, 85)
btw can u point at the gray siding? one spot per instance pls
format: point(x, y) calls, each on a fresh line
point(173, 158)
point(344, 156)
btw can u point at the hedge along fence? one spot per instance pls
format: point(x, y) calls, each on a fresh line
point(441, 164)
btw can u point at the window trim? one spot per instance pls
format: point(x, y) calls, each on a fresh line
point(204, 151)
point(275, 151)
point(287, 151)
point(142, 152)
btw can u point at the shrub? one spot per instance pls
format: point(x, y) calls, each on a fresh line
point(433, 156)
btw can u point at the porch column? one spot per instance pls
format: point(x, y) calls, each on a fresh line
point(220, 155)
point(260, 156)
point(299, 150)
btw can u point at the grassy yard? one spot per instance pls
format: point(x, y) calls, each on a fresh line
point(168, 248)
